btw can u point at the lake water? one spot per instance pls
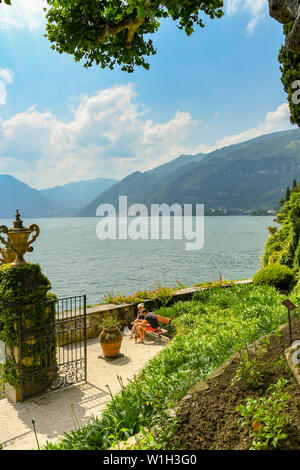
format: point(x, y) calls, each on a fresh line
point(77, 262)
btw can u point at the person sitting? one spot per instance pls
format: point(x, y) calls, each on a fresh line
point(149, 323)
point(139, 318)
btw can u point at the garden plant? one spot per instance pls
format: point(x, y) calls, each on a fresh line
point(266, 417)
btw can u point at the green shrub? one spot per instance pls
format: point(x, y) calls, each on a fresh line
point(161, 294)
point(266, 417)
point(275, 275)
point(24, 299)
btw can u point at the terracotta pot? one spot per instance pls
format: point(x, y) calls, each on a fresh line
point(110, 340)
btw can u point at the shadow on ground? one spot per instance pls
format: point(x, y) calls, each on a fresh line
point(59, 411)
point(52, 412)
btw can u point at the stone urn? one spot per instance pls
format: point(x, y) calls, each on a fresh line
point(110, 339)
point(17, 243)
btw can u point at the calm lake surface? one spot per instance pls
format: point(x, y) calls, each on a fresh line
point(77, 262)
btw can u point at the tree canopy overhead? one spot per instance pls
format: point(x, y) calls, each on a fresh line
point(117, 32)
point(110, 32)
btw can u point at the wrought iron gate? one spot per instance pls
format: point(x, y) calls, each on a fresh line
point(51, 355)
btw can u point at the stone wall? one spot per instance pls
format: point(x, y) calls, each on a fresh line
point(125, 314)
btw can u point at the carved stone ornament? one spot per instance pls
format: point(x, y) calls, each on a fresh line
point(17, 243)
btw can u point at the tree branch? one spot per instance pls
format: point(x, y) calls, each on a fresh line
point(131, 24)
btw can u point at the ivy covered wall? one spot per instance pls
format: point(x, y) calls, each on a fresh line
point(27, 314)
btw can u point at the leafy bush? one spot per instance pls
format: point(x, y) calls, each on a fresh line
point(265, 417)
point(24, 297)
point(275, 275)
point(283, 247)
point(251, 368)
point(161, 294)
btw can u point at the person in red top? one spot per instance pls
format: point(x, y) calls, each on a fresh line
point(150, 323)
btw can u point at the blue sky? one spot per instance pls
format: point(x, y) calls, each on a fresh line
point(60, 122)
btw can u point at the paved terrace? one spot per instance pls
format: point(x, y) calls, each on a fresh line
point(52, 411)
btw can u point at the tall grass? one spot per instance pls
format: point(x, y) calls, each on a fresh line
point(208, 330)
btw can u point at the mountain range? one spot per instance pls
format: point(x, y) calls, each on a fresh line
point(138, 186)
point(248, 176)
point(60, 201)
point(73, 196)
point(17, 195)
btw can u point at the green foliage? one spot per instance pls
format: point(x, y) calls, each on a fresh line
point(26, 286)
point(251, 367)
point(211, 332)
point(10, 372)
point(290, 69)
point(110, 32)
point(109, 322)
point(115, 431)
point(26, 283)
point(225, 282)
point(281, 277)
point(25, 301)
point(266, 418)
point(156, 438)
point(284, 246)
point(161, 294)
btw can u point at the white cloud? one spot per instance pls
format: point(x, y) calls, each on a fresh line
point(6, 76)
point(109, 135)
point(256, 8)
point(23, 14)
point(275, 121)
point(2, 93)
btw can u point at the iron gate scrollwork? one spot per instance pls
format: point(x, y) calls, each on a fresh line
point(71, 342)
point(50, 354)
